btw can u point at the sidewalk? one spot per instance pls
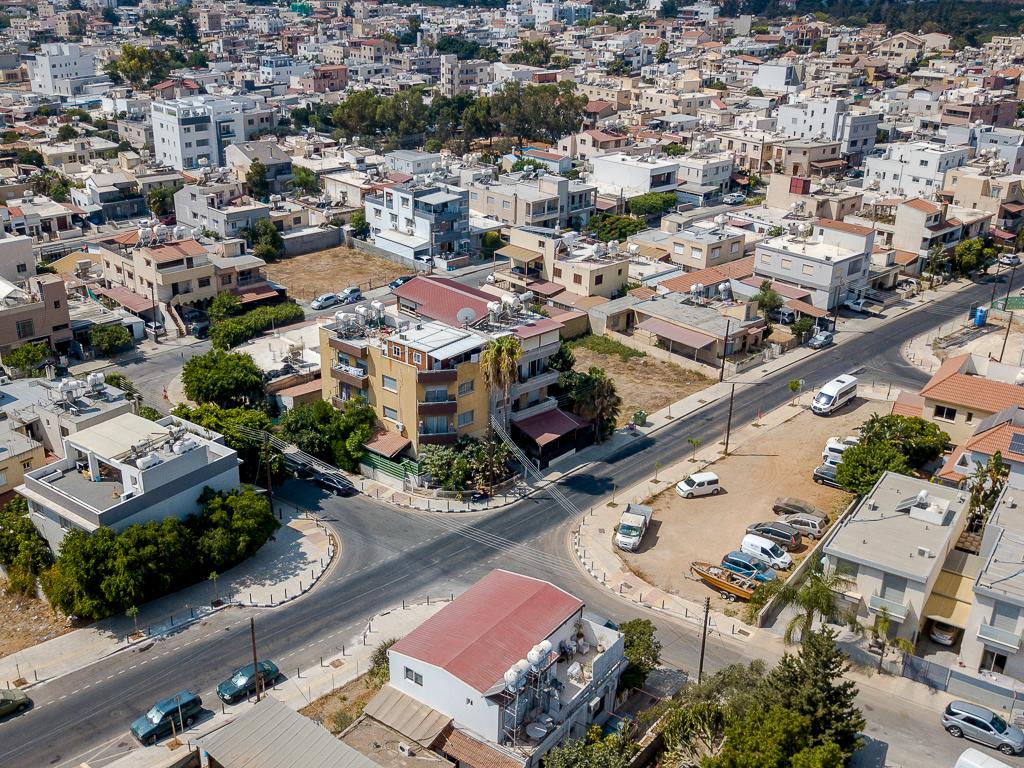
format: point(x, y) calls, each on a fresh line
point(283, 569)
point(298, 688)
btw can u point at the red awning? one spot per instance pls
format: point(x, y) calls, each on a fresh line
point(547, 427)
point(387, 444)
point(805, 309)
point(740, 179)
point(130, 300)
point(1002, 234)
point(1014, 207)
point(255, 293)
point(679, 335)
point(827, 163)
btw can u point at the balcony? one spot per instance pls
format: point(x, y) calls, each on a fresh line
point(531, 383)
point(349, 374)
point(441, 376)
point(348, 347)
point(897, 611)
point(1000, 638)
point(438, 438)
point(545, 405)
point(437, 407)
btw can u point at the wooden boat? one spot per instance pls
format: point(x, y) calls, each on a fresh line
point(728, 584)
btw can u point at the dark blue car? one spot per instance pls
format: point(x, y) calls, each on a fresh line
point(167, 716)
point(749, 566)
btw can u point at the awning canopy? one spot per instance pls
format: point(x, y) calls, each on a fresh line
point(547, 427)
point(544, 287)
point(130, 300)
point(950, 600)
point(1013, 207)
point(804, 308)
point(387, 444)
point(404, 714)
point(827, 163)
point(255, 293)
point(518, 252)
point(677, 334)
point(1001, 234)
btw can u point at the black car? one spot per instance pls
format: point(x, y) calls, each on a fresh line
point(336, 485)
point(826, 475)
point(242, 682)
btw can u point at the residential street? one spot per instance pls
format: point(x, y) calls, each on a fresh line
point(389, 555)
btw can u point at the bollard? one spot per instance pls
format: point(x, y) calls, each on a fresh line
point(428, 599)
point(298, 672)
point(35, 674)
point(641, 598)
point(286, 593)
point(453, 598)
point(403, 604)
point(172, 619)
point(620, 589)
point(321, 661)
point(342, 650)
point(300, 587)
point(663, 605)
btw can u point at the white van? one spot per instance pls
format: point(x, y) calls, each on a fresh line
point(973, 758)
point(767, 550)
point(835, 394)
point(699, 484)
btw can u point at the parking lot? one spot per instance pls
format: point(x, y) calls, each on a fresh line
point(777, 463)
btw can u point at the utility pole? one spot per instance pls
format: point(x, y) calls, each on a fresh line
point(266, 461)
point(703, 638)
point(725, 348)
point(255, 663)
point(1009, 323)
point(728, 423)
point(156, 325)
point(995, 283)
point(1009, 286)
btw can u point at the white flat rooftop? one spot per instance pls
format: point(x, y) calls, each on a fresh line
point(116, 436)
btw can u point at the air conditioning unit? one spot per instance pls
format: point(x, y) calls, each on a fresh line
point(400, 427)
point(405, 749)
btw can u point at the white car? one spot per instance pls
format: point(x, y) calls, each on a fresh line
point(857, 305)
point(734, 198)
point(836, 446)
point(1010, 260)
point(324, 301)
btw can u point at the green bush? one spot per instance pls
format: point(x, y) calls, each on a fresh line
point(109, 339)
point(652, 203)
point(103, 573)
point(233, 331)
point(23, 552)
point(27, 360)
point(603, 345)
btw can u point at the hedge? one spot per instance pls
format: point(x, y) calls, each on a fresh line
point(233, 331)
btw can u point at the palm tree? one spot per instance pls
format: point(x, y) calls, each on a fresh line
point(814, 597)
point(883, 623)
point(599, 403)
point(499, 364)
point(985, 485)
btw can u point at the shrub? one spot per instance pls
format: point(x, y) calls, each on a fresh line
point(109, 339)
point(27, 359)
point(233, 331)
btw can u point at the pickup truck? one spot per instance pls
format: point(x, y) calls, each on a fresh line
point(858, 305)
point(632, 526)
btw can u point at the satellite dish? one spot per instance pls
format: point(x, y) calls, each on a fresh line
point(466, 315)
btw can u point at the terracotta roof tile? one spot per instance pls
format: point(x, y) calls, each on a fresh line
point(949, 385)
point(468, 751)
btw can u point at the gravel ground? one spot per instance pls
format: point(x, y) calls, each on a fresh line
point(24, 622)
point(311, 274)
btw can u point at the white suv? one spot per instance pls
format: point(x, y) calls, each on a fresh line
point(836, 446)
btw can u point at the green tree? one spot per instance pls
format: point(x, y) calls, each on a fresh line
point(499, 366)
point(920, 441)
point(642, 650)
point(160, 200)
point(29, 157)
point(109, 339)
point(265, 236)
point(812, 683)
point(768, 299)
point(986, 486)
point(863, 464)
point(240, 522)
point(882, 630)
point(563, 360)
point(607, 227)
point(110, 15)
point(754, 91)
point(773, 738)
point(652, 203)
point(237, 425)
point(256, 180)
point(597, 751)
point(661, 54)
point(380, 665)
point(28, 359)
point(225, 305)
point(447, 466)
point(335, 436)
point(305, 180)
point(360, 228)
point(23, 552)
point(66, 132)
point(813, 598)
point(594, 397)
point(227, 379)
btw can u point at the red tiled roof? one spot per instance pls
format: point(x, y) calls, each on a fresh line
point(387, 444)
point(440, 298)
point(130, 300)
point(490, 627)
point(805, 308)
point(739, 269)
point(164, 252)
point(842, 226)
point(468, 751)
point(908, 404)
point(903, 258)
point(643, 293)
point(537, 327)
point(306, 388)
point(949, 470)
point(255, 293)
point(949, 385)
point(547, 427)
point(921, 205)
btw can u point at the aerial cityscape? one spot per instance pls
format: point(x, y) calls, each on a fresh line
point(511, 384)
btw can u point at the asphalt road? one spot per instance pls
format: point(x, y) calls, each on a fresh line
point(390, 555)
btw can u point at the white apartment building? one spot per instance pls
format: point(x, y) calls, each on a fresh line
point(829, 259)
point(707, 174)
point(1005, 144)
point(61, 69)
point(834, 120)
point(777, 78)
point(127, 470)
point(279, 69)
point(629, 176)
point(419, 222)
point(914, 169)
point(193, 131)
point(464, 76)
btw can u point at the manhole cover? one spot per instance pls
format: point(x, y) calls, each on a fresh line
point(337, 663)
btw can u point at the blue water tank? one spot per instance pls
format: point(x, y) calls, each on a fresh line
point(980, 316)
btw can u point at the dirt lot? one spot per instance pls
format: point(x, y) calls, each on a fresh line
point(24, 622)
point(778, 463)
point(339, 708)
point(643, 383)
point(311, 274)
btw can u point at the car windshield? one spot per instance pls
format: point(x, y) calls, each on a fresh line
point(154, 715)
point(689, 482)
point(325, 297)
point(776, 550)
point(823, 399)
point(629, 530)
point(759, 566)
point(998, 724)
point(239, 678)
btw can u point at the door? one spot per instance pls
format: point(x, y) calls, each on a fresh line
point(979, 730)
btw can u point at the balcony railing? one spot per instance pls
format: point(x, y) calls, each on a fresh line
point(530, 383)
point(349, 374)
point(438, 438)
point(343, 345)
point(429, 407)
point(440, 376)
point(897, 611)
point(545, 405)
point(999, 637)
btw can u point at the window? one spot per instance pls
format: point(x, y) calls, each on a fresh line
point(846, 568)
point(396, 351)
point(391, 413)
point(807, 269)
point(556, 272)
point(577, 279)
point(225, 279)
point(56, 304)
point(969, 418)
point(466, 418)
point(413, 676)
point(389, 383)
point(204, 282)
point(25, 329)
point(417, 358)
point(22, 268)
point(466, 387)
point(945, 413)
point(599, 279)
point(787, 263)
point(26, 465)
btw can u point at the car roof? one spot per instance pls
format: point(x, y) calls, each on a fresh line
point(699, 476)
point(967, 708)
point(182, 697)
point(784, 527)
point(760, 540)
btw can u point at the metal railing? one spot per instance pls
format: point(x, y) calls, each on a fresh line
point(1001, 637)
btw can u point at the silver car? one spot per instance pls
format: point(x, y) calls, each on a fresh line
point(970, 721)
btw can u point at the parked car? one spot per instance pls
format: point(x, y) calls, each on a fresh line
point(335, 484)
point(734, 198)
point(836, 446)
point(943, 634)
point(784, 315)
point(152, 329)
point(166, 716)
point(787, 505)
point(323, 301)
point(811, 526)
point(855, 173)
point(749, 566)
point(821, 339)
point(242, 681)
point(398, 282)
point(910, 284)
point(192, 315)
point(698, 484)
point(766, 550)
point(200, 329)
point(1010, 260)
point(858, 305)
point(13, 701)
point(970, 721)
point(350, 295)
point(825, 475)
point(783, 534)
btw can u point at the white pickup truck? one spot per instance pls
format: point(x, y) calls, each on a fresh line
point(632, 526)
